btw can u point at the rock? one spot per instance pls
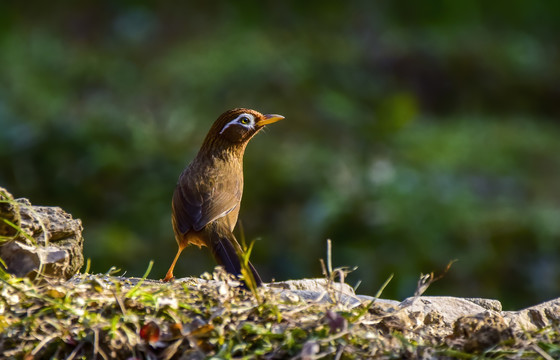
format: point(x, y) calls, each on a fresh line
point(490, 304)
point(323, 290)
point(385, 303)
point(479, 332)
point(50, 243)
point(473, 325)
point(449, 308)
point(535, 317)
point(318, 285)
point(316, 290)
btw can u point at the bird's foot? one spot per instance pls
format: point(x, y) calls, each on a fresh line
point(168, 278)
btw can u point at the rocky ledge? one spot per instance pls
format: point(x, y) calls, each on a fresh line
point(476, 322)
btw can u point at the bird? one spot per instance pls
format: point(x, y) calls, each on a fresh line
point(207, 197)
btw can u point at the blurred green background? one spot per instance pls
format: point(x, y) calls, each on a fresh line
point(415, 133)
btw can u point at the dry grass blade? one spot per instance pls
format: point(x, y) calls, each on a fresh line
point(427, 279)
point(541, 352)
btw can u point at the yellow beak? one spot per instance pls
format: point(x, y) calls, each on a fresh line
point(271, 118)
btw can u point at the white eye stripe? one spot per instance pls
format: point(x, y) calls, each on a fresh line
point(237, 121)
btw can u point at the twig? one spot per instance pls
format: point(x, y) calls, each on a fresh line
point(541, 352)
point(339, 352)
point(95, 343)
point(75, 351)
point(41, 344)
point(119, 301)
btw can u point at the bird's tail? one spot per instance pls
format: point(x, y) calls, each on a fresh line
point(227, 251)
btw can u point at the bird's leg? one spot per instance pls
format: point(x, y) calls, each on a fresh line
point(169, 274)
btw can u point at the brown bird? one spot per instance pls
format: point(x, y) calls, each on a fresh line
point(206, 200)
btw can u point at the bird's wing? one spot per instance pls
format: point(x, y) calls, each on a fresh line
point(204, 197)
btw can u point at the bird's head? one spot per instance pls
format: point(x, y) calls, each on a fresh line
point(237, 126)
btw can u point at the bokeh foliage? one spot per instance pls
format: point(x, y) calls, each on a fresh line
point(416, 132)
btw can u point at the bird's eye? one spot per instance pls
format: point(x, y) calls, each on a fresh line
point(245, 120)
